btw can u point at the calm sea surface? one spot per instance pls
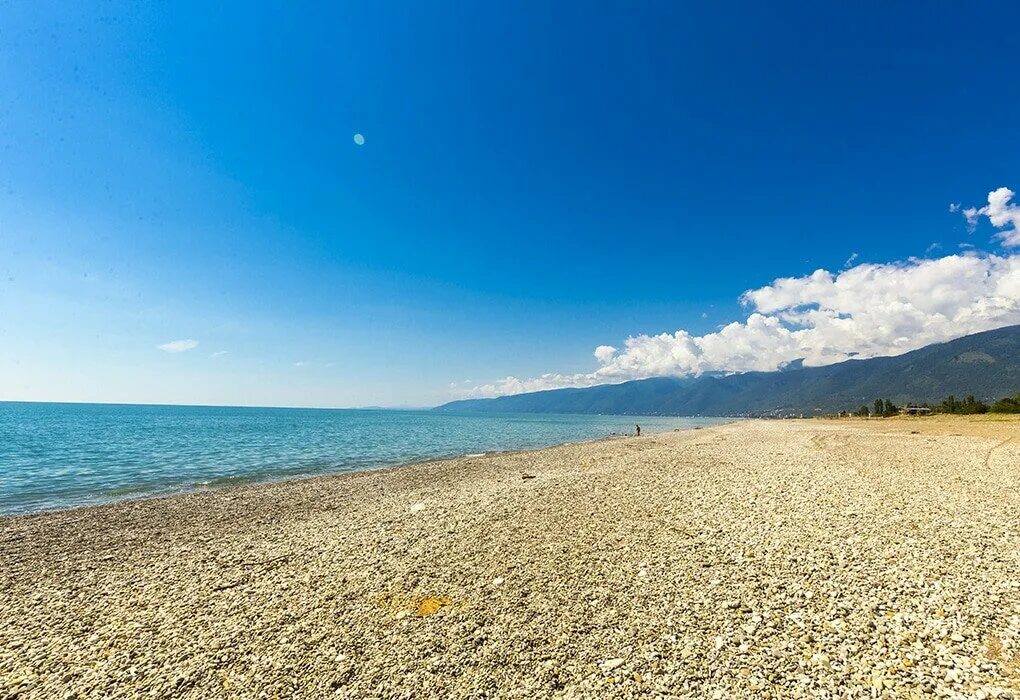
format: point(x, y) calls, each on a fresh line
point(65, 455)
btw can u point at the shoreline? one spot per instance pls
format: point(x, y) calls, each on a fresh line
point(241, 482)
point(790, 558)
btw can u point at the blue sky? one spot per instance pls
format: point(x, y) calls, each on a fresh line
point(534, 182)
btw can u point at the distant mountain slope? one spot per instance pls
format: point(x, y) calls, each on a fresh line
point(986, 365)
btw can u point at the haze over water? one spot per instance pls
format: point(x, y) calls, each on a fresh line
point(64, 455)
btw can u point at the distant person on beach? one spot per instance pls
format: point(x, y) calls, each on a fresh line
point(637, 430)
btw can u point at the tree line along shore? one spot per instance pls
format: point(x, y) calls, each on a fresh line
point(968, 406)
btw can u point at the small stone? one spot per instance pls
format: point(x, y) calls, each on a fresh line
point(612, 664)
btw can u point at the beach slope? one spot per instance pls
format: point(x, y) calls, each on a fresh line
point(772, 559)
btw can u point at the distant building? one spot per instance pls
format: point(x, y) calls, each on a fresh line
point(914, 410)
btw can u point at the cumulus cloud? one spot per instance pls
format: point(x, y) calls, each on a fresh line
point(178, 345)
point(864, 311)
point(604, 354)
point(1001, 212)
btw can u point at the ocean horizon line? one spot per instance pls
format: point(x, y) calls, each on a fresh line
point(218, 405)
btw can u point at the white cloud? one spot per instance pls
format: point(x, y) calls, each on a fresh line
point(1001, 213)
point(604, 354)
point(219, 353)
point(864, 311)
point(850, 260)
point(178, 345)
point(301, 364)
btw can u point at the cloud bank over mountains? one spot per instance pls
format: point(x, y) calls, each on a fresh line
point(867, 310)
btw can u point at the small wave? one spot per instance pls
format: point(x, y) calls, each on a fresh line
point(129, 491)
point(233, 480)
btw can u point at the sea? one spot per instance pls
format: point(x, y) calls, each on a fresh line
point(60, 455)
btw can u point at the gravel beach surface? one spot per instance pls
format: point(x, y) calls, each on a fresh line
point(781, 559)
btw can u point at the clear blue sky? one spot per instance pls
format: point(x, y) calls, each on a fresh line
point(534, 181)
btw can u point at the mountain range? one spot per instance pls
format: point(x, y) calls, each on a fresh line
point(986, 365)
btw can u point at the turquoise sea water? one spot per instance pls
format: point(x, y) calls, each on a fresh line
point(66, 455)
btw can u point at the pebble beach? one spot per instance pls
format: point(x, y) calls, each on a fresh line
point(775, 559)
